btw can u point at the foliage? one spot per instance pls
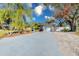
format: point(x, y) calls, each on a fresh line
point(16, 15)
point(65, 30)
point(35, 26)
point(68, 11)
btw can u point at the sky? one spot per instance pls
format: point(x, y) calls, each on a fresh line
point(41, 13)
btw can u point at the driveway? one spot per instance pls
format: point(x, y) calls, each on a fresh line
point(68, 43)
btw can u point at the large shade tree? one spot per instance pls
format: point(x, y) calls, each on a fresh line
point(69, 12)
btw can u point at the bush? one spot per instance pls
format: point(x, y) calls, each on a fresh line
point(65, 30)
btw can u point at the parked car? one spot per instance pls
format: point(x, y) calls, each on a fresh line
point(41, 28)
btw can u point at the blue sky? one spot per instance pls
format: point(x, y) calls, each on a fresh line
point(41, 16)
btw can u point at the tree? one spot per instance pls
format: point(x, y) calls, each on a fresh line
point(19, 21)
point(69, 12)
point(15, 12)
point(71, 15)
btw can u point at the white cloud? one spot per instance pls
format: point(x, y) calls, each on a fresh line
point(51, 8)
point(49, 17)
point(46, 17)
point(39, 9)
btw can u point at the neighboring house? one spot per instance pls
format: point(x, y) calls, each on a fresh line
point(61, 25)
point(64, 27)
point(49, 27)
point(57, 25)
point(67, 28)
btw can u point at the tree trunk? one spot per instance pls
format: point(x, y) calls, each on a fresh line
point(72, 25)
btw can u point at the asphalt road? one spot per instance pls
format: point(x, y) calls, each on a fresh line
point(36, 44)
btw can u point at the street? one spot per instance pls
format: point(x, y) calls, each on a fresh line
point(35, 44)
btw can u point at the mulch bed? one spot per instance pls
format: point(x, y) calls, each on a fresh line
point(15, 34)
